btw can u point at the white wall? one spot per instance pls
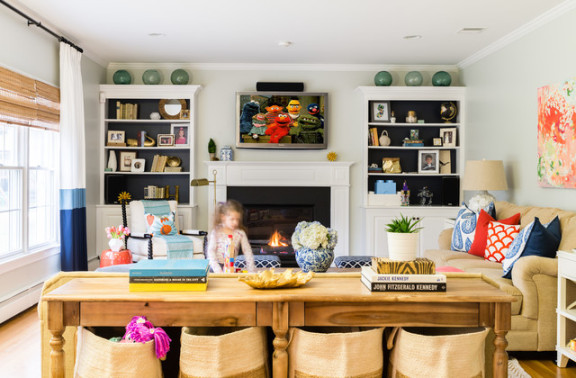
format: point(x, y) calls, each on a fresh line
point(502, 106)
point(217, 112)
point(35, 53)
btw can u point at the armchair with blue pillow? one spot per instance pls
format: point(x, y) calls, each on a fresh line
point(527, 267)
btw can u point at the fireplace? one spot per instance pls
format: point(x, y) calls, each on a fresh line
point(273, 212)
point(264, 177)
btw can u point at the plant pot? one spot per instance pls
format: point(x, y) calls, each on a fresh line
point(314, 260)
point(403, 246)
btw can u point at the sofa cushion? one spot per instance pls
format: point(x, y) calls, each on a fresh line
point(500, 236)
point(465, 227)
point(481, 235)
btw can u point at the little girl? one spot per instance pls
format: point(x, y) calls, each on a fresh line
point(228, 221)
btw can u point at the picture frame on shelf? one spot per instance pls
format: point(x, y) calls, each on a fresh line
point(448, 136)
point(185, 114)
point(181, 135)
point(116, 138)
point(137, 165)
point(437, 142)
point(380, 111)
point(165, 140)
point(126, 158)
point(428, 161)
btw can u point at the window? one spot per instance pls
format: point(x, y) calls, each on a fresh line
point(29, 117)
point(28, 179)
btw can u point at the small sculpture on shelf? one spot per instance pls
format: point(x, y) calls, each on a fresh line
point(405, 195)
point(425, 196)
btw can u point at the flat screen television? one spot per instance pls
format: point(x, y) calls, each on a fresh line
point(281, 120)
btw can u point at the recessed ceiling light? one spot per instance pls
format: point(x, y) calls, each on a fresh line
point(471, 30)
point(285, 43)
point(415, 36)
point(157, 35)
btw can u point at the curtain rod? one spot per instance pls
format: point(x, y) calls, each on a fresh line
point(31, 21)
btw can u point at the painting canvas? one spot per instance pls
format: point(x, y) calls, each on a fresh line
point(556, 135)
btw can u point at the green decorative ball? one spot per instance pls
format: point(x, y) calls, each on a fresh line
point(441, 79)
point(383, 78)
point(413, 79)
point(151, 77)
point(122, 77)
point(179, 77)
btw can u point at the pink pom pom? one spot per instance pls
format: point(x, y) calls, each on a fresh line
point(161, 342)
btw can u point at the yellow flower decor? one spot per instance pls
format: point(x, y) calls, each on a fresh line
point(332, 156)
point(124, 196)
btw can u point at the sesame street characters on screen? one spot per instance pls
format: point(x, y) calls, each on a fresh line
point(249, 110)
point(273, 112)
point(259, 127)
point(279, 128)
point(314, 110)
point(309, 130)
point(294, 111)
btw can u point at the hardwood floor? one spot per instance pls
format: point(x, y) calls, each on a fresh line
point(20, 356)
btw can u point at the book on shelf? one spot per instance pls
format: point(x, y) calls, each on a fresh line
point(374, 137)
point(168, 286)
point(372, 276)
point(404, 286)
point(154, 163)
point(170, 268)
point(118, 110)
point(168, 279)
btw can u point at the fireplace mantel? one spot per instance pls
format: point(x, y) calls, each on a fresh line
point(335, 175)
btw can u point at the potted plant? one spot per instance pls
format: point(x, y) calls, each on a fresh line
point(212, 149)
point(403, 238)
point(314, 245)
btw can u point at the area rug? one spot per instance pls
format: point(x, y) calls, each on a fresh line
point(515, 370)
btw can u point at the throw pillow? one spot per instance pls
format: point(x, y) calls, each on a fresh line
point(500, 236)
point(479, 244)
point(161, 224)
point(465, 226)
point(535, 239)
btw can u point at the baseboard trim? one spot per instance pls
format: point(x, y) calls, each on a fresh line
point(20, 302)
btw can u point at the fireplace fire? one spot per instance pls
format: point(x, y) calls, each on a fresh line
point(277, 240)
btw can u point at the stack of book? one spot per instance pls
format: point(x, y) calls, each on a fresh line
point(158, 163)
point(126, 111)
point(169, 275)
point(402, 282)
point(413, 143)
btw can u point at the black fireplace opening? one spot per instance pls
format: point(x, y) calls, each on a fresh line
point(272, 213)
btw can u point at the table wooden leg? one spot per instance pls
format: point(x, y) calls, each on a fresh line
point(280, 328)
point(55, 321)
point(502, 324)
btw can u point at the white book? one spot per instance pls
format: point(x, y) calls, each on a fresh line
point(371, 275)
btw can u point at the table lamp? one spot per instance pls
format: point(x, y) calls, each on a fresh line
point(204, 182)
point(482, 176)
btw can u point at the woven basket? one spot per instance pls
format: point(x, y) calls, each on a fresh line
point(100, 358)
point(353, 354)
point(223, 352)
point(437, 352)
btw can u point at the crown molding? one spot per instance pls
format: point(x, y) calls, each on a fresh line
point(522, 31)
point(283, 67)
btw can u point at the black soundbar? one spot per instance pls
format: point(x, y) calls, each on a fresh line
point(263, 86)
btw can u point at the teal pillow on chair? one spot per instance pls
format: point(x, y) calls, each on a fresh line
point(161, 224)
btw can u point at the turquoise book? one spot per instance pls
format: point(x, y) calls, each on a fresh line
point(170, 268)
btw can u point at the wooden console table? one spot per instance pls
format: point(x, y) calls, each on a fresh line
point(327, 300)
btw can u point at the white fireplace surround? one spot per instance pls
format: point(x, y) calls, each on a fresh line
point(335, 175)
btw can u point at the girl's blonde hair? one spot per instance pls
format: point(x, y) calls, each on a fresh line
point(224, 208)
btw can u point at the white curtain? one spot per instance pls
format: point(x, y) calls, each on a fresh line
point(72, 162)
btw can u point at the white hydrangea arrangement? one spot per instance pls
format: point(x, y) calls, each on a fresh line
point(313, 235)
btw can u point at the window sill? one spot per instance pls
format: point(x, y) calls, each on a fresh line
point(29, 258)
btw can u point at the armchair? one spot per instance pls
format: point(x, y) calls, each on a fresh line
point(144, 245)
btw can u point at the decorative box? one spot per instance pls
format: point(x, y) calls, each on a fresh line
point(385, 187)
point(383, 265)
point(384, 199)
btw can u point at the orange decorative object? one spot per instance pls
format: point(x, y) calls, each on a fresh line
point(109, 257)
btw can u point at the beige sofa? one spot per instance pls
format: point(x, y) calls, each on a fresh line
point(534, 279)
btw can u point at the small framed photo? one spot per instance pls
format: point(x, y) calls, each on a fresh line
point(126, 158)
point(181, 137)
point(437, 142)
point(185, 114)
point(137, 165)
point(380, 111)
point(116, 138)
point(448, 136)
point(165, 140)
point(428, 161)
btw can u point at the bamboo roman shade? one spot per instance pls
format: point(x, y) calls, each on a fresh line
point(28, 102)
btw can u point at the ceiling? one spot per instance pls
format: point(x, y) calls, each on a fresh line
point(321, 31)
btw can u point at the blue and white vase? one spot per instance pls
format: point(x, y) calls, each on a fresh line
point(314, 260)
point(226, 153)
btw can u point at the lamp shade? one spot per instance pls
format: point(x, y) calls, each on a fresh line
point(484, 175)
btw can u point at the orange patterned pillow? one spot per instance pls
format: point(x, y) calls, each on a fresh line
point(500, 236)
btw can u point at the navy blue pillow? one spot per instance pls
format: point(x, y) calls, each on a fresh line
point(543, 240)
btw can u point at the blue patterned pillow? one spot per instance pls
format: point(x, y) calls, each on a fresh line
point(535, 239)
point(465, 227)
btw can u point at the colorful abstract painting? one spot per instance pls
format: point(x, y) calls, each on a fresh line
point(557, 135)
